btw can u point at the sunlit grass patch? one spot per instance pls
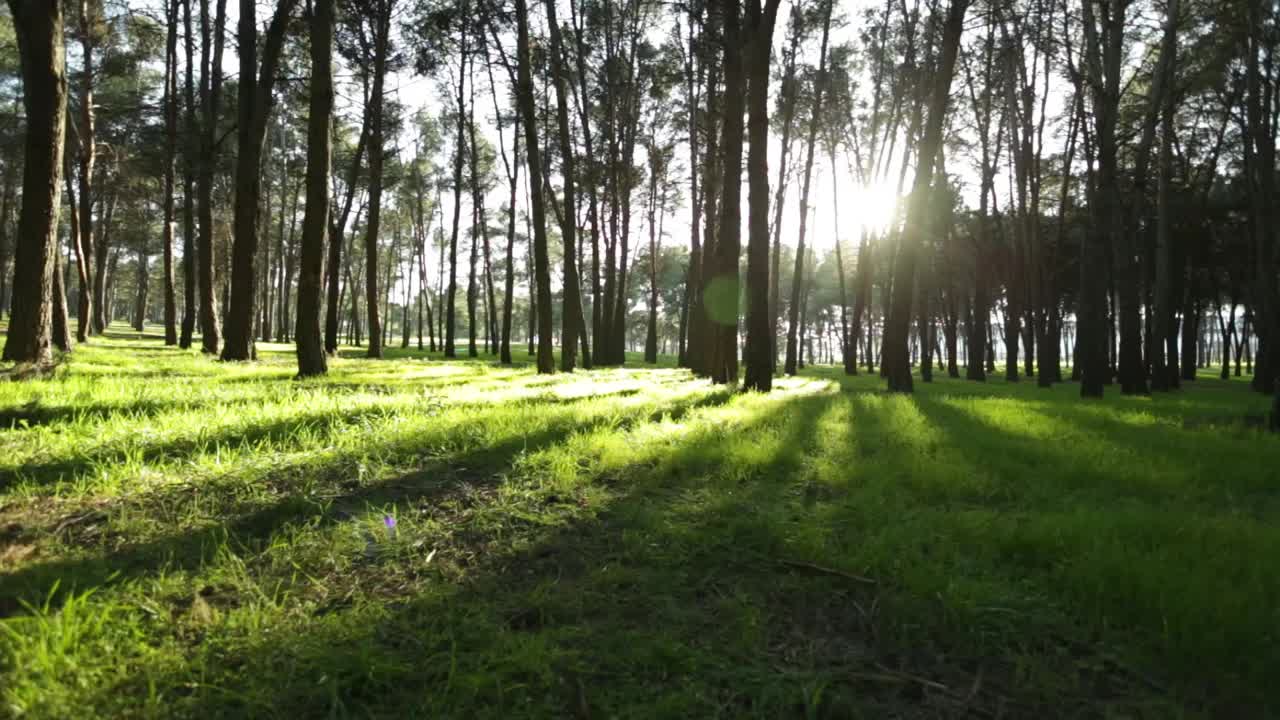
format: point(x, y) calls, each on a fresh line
point(184, 537)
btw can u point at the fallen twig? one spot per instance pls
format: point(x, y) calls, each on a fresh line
point(828, 571)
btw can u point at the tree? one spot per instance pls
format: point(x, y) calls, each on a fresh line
point(38, 26)
point(760, 325)
point(533, 154)
point(1102, 58)
point(210, 105)
point(378, 14)
point(315, 220)
point(88, 31)
point(189, 165)
point(815, 118)
point(256, 99)
point(571, 317)
point(720, 292)
point(170, 152)
point(896, 352)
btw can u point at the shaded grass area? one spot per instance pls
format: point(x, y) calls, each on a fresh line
point(185, 538)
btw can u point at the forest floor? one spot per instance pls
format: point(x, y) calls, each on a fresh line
point(185, 538)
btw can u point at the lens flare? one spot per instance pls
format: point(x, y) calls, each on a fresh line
point(875, 206)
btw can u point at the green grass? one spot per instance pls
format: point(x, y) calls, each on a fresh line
point(185, 538)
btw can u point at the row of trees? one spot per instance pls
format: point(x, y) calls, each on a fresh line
point(1094, 180)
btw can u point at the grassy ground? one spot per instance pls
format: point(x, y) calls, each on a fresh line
point(185, 538)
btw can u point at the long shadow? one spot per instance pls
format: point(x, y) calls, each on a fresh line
point(1105, 490)
point(44, 473)
point(648, 609)
point(578, 590)
point(434, 482)
point(35, 413)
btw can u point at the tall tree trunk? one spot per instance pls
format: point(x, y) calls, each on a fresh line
point(141, 295)
point(542, 269)
point(651, 327)
point(815, 119)
point(210, 100)
point(42, 57)
point(721, 293)
point(786, 106)
point(477, 215)
point(6, 202)
point(190, 140)
point(693, 84)
point(896, 358)
point(459, 148)
point(571, 317)
point(315, 220)
point(170, 152)
point(848, 356)
point(87, 145)
point(1163, 313)
point(1102, 61)
point(760, 323)
point(381, 44)
point(61, 325)
point(508, 297)
point(256, 100)
point(337, 231)
point(82, 261)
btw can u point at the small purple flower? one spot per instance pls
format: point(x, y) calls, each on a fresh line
point(390, 522)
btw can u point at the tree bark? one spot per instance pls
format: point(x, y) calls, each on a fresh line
point(896, 358)
point(42, 57)
point(170, 152)
point(542, 270)
point(210, 100)
point(721, 293)
point(571, 317)
point(792, 360)
point(450, 351)
point(760, 317)
point(1102, 60)
point(61, 325)
point(381, 43)
point(190, 152)
point(87, 148)
point(315, 220)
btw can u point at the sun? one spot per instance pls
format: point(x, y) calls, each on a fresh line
point(875, 206)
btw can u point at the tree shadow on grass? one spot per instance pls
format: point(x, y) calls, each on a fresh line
point(70, 469)
point(433, 483)
point(634, 607)
point(674, 600)
point(35, 413)
point(1030, 470)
